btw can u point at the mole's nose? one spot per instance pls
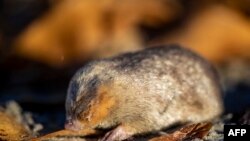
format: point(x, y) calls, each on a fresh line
point(72, 125)
point(68, 125)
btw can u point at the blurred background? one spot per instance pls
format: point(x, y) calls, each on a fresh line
point(43, 43)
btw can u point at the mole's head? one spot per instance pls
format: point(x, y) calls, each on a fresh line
point(88, 100)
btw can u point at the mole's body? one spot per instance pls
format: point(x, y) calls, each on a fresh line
point(143, 92)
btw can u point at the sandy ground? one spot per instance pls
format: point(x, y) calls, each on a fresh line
point(34, 129)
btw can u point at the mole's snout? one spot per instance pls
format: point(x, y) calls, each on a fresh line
point(72, 125)
point(68, 124)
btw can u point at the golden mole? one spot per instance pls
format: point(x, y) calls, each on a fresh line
point(142, 92)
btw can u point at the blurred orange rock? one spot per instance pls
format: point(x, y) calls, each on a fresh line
point(242, 5)
point(10, 129)
point(77, 30)
point(218, 33)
